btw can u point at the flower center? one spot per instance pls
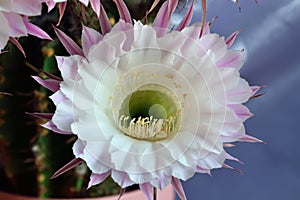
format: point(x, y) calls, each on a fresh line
point(152, 112)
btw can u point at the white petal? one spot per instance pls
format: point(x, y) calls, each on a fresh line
point(89, 38)
point(64, 115)
point(98, 178)
point(103, 51)
point(212, 161)
point(29, 8)
point(96, 156)
point(182, 172)
point(234, 59)
point(121, 178)
point(16, 25)
point(4, 31)
point(214, 43)
point(193, 31)
point(69, 66)
point(58, 97)
point(6, 5)
point(98, 82)
point(240, 94)
point(241, 111)
point(78, 148)
point(126, 28)
point(144, 36)
point(87, 128)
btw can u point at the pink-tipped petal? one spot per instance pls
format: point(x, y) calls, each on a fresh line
point(212, 160)
point(122, 26)
point(85, 2)
point(256, 96)
point(122, 178)
point(104, 21)
point(241, 111)
point(122, 192)
point(154, 4)
point(125, 180)
point(35, 30)
point(98, 178)
point(68, 43)
point(69, 67)
point(230, 157)
point(147, 189)
point(89, 38)
point(228, 145)
point(178, 188)
point(161, 181)
point(255, 89)
point(192, 31)
point(52, 76)
point(123, 11)
point(229, 167)
point(232, 137)
point(205, 31)
point(17, 44)
point(96, 4)
point(239, 94)
point(51, 126)
point(64, 116)
point(249, 138)
point(16, 24)
point(233, 59)
point(163, 16)
point(61, 7)
point(47, 116)
point(215, 44)
point(50, 84)
point(50, 4)
point(70, 165)
point(202, 170)
point(187, 18)
point(230, 40)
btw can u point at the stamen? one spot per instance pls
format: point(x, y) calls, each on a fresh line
point(147, 128)
point(151, 112)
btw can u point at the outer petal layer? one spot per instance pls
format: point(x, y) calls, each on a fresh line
point(200, 74)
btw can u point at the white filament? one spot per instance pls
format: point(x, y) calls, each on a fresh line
point(147, 127)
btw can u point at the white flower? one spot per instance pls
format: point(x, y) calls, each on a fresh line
point(150, 107)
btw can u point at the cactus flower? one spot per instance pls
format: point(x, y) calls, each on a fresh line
point(150, 106)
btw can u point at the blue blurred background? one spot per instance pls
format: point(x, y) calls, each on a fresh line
point(271, 37)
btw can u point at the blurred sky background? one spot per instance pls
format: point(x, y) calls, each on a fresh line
point(271, 37)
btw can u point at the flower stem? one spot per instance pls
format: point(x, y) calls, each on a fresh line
point(154, 193)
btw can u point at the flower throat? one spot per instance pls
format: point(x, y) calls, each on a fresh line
point(152, 112)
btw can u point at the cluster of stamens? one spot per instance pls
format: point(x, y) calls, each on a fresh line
point(147, 128)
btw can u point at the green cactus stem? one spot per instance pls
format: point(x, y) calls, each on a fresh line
point(16, 128)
